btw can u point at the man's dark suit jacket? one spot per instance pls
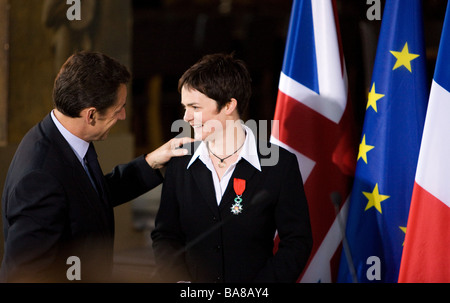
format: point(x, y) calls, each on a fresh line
point(197, 240)
point(51, 211)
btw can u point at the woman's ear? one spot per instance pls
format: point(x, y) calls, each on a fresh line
point(231, 106)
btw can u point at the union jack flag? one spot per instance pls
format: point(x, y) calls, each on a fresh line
point(315, 123)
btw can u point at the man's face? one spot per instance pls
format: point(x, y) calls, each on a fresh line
point(201, 113)
point(105, 122)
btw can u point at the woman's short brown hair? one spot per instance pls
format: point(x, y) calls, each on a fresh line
point(220, 77)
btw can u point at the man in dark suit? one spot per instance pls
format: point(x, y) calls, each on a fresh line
point(56, 202)
point(221, 207)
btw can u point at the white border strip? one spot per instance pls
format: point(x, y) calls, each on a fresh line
point(433, 168)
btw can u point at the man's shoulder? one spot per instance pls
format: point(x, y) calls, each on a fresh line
point(39, 150)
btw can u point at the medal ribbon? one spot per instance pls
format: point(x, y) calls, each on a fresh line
point(239, 186)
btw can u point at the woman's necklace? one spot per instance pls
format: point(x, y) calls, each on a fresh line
point(222, 164)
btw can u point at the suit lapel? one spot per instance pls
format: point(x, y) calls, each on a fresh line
point(104, 211)
point(205, 184)
point(78, 173)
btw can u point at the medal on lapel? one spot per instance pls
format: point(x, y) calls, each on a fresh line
point(239, 187)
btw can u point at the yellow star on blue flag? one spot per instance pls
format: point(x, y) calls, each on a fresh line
point(404, 58)
point(364, 148)
point(375, 199)
point(373, 98)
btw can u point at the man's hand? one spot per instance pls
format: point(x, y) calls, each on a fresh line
point(160, 156)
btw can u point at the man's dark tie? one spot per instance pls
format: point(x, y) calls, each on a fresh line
point(90, 159)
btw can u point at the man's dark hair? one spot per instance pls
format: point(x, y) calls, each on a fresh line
point(220, 77)
point(88, 79)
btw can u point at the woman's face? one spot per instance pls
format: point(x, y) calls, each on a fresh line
point(202, 114)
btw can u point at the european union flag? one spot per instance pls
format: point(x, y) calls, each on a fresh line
point(389, 148)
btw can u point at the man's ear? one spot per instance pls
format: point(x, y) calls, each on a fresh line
point(231, 106)
point(90, 115)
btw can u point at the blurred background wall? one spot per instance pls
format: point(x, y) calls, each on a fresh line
point(158, 40)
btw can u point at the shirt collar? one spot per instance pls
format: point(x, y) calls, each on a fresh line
point(79, 146)
point(248, 152)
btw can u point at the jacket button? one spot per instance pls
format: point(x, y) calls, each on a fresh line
point(218, 248)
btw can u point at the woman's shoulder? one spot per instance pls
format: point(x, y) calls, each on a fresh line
point(272, 154)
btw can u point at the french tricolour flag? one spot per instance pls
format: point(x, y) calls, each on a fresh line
point(315, 123)
point(426, 252)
